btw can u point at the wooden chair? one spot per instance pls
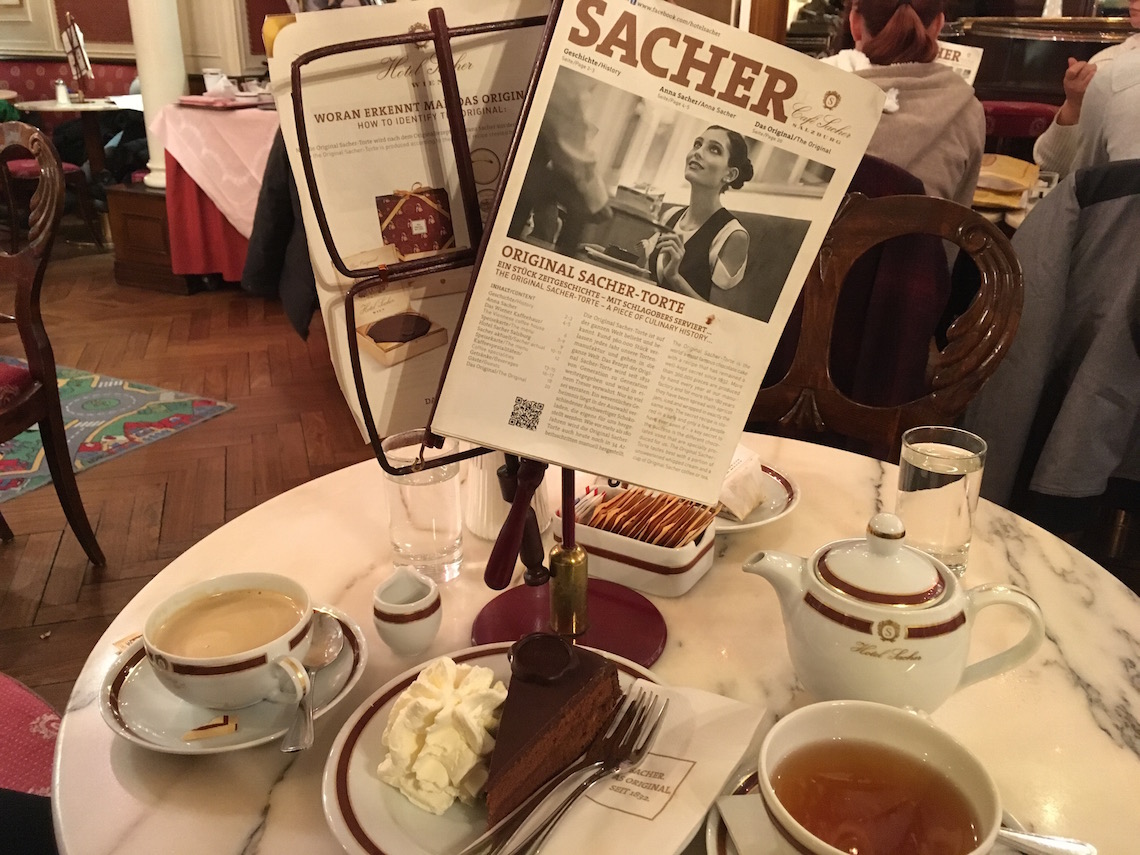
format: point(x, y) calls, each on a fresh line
point(30, 396)
point(906, 276)
point(806, 402)
point(20, 174)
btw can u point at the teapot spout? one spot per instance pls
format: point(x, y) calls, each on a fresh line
point(784, 571)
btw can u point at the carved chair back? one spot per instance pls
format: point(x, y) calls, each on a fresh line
point(806, 403)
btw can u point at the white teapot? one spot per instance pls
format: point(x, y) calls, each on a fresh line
point(874, 619)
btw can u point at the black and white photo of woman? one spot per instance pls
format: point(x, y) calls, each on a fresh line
point(705, 247)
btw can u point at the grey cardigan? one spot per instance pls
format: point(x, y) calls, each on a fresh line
point(1075, 342)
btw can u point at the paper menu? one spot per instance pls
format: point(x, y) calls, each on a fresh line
point(578, 361)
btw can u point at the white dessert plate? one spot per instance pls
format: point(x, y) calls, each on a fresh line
point(139, 708)
point(719, 842)
point(369, 817)
point(781, 497)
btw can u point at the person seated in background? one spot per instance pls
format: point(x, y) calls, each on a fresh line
point(1057, 148)
point(932, 126)
point(1110, 116)
point(563, 189)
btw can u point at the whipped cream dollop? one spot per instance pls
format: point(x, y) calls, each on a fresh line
point(440, 732)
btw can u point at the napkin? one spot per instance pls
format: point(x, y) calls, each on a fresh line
point(1006, 174)
point(222, 86)
point(747, 823)
point(658, 806)
point(743, 487)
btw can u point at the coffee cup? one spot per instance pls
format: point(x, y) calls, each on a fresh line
point(232, 641)
point(913, 778)
point(407, 610)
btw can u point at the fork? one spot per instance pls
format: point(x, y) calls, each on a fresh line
point(617, 725)
point(624, 754)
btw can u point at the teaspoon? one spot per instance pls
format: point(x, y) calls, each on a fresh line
point(1043, 844)
point(328, 639)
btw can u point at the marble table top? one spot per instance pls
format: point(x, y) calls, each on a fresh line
point(1060, 734)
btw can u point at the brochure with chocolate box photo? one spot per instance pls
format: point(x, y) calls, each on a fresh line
point(382, 157)
point(670, 186)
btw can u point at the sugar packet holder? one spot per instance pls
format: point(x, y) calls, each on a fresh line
point(646, 567)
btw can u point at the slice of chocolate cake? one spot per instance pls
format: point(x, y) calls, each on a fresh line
point(558, 699)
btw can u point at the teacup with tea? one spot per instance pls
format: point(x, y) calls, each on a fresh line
point(843, 777)
point(232, 641)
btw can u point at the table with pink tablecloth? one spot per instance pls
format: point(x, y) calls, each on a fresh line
point(215, 160)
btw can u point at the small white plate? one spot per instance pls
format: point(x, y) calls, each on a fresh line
point(782, 497)
point(367, 816)
point(719, 842)
point(139, 708)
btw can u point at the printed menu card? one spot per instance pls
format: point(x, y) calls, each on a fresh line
point(671, 184)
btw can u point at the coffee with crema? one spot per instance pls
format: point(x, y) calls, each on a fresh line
point(227, 623)
point(867, 799)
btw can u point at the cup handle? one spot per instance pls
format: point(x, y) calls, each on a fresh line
point(293, 681)
point(994, 595)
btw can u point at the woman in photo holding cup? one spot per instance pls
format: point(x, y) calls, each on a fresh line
point(705, 247)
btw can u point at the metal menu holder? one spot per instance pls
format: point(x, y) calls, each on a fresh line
point(628, 624)
point(373, 279)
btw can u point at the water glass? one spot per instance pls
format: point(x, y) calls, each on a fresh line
point(940, 474)
point(424, 508)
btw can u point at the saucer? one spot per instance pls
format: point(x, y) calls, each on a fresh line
point(719, 842)
point(781, 497)
point(140, 709)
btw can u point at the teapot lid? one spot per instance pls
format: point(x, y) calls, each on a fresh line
point(879, 570)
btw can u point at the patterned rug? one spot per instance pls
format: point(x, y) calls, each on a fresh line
point(104, 417)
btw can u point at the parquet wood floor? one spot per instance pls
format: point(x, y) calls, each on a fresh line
point(291, 424)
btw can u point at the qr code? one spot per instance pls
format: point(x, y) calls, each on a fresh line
point(525, 414)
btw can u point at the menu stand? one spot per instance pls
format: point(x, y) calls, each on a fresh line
point(595, 612)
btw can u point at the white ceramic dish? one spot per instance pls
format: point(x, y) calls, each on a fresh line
point(719, 842)
point(782, 497)
point(368, 817)
point(140, 709)
point(642, 566)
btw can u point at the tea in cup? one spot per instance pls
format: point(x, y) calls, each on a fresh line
point(841, 777)
point(232, 641)
point(407, 611)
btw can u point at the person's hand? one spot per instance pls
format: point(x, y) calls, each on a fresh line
point(1077, 78)
point(671, 250)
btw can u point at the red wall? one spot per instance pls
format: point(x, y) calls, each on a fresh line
point(99, 20)
point(256, 10)
point(108, 20)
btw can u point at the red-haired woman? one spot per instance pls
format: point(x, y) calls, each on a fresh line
point(932, 126)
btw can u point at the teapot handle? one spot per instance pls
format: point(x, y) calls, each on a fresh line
point(994, 595)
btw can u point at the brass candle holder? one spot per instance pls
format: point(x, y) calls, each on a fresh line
point(568, 577)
